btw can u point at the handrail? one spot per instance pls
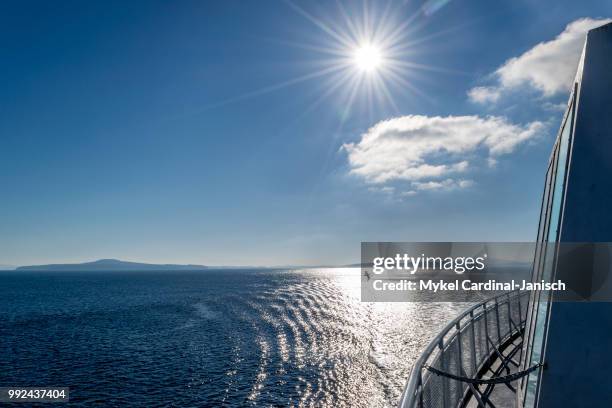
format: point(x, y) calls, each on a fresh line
point(412, 395)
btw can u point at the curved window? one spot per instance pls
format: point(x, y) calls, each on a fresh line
point(550, 225)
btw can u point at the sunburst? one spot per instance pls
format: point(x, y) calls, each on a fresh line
point(364, 53)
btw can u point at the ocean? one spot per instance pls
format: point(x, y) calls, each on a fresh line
point(231, 338)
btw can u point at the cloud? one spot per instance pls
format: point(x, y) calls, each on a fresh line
point(423, 150)
point(559, 107)
point(383, 190)
point(484, 94)
point(408, 193)
point(444, 185)
point(548, 67)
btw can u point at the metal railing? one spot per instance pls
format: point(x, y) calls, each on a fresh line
point(464, 348)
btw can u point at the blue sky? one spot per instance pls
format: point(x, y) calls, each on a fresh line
point(244, 133)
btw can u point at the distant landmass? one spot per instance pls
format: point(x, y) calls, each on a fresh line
point(111, 265)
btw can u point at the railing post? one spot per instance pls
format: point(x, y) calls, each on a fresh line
point(521, 323)
point(499, 337)
point(443, 364)
point(460, 351)
point(420, 388)
point(486, 320)
point(473, 330)
point(520, 309)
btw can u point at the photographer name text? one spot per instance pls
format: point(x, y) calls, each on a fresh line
point(463, 285)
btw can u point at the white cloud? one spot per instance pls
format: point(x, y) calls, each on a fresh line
point(444, 185)
point(560, 107)
point(484, 94)
point(423, 150)
point(548, 67)
point(465, 183)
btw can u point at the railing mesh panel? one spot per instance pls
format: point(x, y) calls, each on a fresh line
point(463, 350)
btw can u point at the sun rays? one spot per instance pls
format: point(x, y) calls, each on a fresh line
point(371, 51)
point(366, 55)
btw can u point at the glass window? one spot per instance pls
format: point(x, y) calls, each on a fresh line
point(531, 318)
point(550, 235)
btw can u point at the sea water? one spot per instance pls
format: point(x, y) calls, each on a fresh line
point(265, 337)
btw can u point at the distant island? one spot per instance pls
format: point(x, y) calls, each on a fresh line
point(111, 265)
point(102, 265)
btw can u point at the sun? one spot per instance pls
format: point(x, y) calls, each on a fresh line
point(367, 57)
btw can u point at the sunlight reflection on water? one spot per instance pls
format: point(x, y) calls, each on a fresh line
point(232, 338)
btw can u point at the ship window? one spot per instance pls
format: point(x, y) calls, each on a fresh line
point(549, 234)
